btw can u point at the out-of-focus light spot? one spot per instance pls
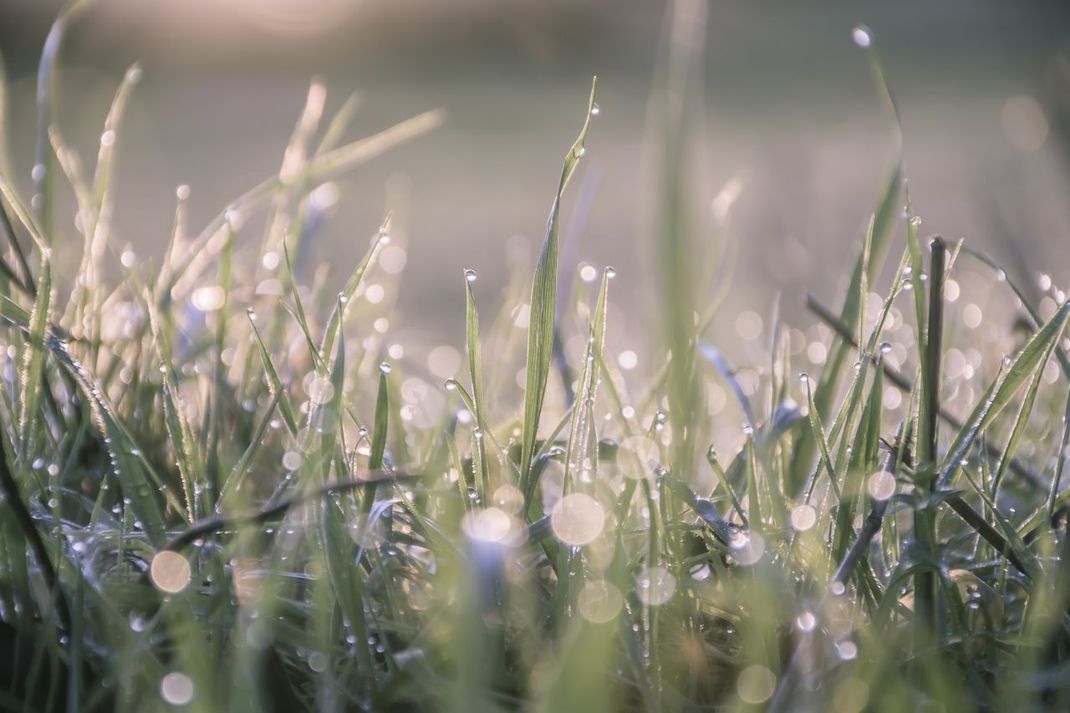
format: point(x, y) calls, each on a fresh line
point(588, 273)
point(170, 571)
point(375, 294)
point(488, 525)
point(881, 485)
point(599, 601)
point(396, 351)
point(816, 352)
point(325, 196)
point(577, 519)
point(270, 286)
point(270, 260)
point(749, 325)
point(128, 258)
point(954, 363)
point(444, 361)
point(176, 688)
point(972, 316)
point(951, 290)
point(208, 299)
point(628, 359)
point(291, 460)
point(655, 586)
point(891, 397)
point(393, 259)
point(1024, 122)
point(381, 325)
point(755, 684)
point(803, 517)
point(748, 380)
point(508, 497)
point(319, 389)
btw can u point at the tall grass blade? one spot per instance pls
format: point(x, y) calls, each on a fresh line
point(543, 305)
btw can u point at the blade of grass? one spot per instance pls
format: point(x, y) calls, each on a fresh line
point(475, 374)
point(543, 306)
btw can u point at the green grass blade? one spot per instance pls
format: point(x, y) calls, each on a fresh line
point(475, 374)
point(543, 305)
point(278, 390)
point(31, 375)
point(346, 295)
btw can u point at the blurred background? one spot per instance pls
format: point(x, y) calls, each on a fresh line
point(792, 117)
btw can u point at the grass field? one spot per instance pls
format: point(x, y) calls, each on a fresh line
point(226, 489)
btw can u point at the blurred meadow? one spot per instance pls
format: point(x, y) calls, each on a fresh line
point(790, 116)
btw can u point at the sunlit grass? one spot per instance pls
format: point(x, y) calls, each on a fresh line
point(226, 489)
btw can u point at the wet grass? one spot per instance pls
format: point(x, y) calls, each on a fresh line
point(226, 489)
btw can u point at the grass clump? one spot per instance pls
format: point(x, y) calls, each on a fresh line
point(218, 494)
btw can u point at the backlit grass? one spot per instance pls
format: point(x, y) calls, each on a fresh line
point(227, 489)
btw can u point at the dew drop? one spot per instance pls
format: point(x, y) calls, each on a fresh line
point(170, 571)
point(847, 649)
point(451, 384)
point(470, 275)
point(860, 35)
point(385, 368)
point(176, 688)
point(655, 586)
point(803, 517)
point(806, 621)
point(595, 109)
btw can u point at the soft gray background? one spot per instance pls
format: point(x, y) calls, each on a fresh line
point(790, 109)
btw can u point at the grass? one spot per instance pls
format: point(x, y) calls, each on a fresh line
point(214, 512)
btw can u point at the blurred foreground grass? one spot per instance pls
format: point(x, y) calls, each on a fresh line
point(227, 490)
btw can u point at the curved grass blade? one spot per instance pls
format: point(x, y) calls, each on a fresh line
point(278, 390)
point(543, 305)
